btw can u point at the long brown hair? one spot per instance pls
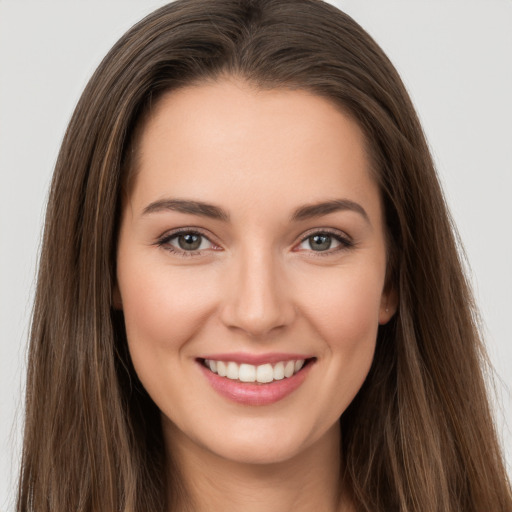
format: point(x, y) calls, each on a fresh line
point(419, 435)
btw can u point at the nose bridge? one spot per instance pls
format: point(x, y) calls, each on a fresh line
point(258, 302)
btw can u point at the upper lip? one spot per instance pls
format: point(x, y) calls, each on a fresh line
point(256, 359)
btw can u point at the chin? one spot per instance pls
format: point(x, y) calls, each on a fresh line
point(251, 453)
point(264, 445)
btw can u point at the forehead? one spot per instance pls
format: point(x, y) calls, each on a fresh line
point(227, 137)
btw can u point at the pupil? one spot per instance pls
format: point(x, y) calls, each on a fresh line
point(320, 242)
point(189, 241)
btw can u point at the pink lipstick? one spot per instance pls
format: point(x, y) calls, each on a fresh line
point(255, 379)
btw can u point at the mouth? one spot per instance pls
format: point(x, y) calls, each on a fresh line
point(261, 374)
point(255, 384)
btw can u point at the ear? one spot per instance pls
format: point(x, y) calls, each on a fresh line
point(388, 304)
point(117, 302)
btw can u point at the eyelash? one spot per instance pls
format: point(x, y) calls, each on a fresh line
point(344, 241)
point(164, 241)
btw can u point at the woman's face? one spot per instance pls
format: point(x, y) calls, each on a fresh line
point(252, 241)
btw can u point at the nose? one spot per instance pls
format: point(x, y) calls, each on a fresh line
point(257, 300)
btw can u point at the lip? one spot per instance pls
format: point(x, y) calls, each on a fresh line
point(255, 394)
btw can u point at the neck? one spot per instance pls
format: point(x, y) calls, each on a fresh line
point(308, 481)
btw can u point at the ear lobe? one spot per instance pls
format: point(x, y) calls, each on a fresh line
point(388, 305)
point(117, 302)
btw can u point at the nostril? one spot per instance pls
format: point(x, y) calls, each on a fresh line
point(255, 304)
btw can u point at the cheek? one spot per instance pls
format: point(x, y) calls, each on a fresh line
point(163, 308)
point(345, 310)
point(345, 314)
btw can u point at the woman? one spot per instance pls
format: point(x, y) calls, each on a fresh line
point(250, 295)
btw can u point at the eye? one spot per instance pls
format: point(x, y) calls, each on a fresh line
point(189, 241)
point(186, 243)
point(324, 241)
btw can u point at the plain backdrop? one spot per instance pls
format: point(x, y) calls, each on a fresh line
point(454, 56)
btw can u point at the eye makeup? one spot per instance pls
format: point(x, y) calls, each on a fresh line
point(188, 241)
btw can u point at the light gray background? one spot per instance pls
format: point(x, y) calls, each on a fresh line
point(454, 56)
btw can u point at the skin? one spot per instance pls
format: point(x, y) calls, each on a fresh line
point(255, 285)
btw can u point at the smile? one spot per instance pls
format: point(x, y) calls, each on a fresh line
point(262, 383)
point(263, 373)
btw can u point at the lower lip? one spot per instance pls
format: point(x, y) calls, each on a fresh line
point(255, 394)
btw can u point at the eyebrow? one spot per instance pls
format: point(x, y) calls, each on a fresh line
point(326, 207)
point(215, 212)
point(187, 206)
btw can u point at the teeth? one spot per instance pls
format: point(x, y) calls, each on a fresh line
point(232, 372)
point(289, 369)
point(263, 373)
point(279, 371)
point(221, 369)
point(247, 372)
